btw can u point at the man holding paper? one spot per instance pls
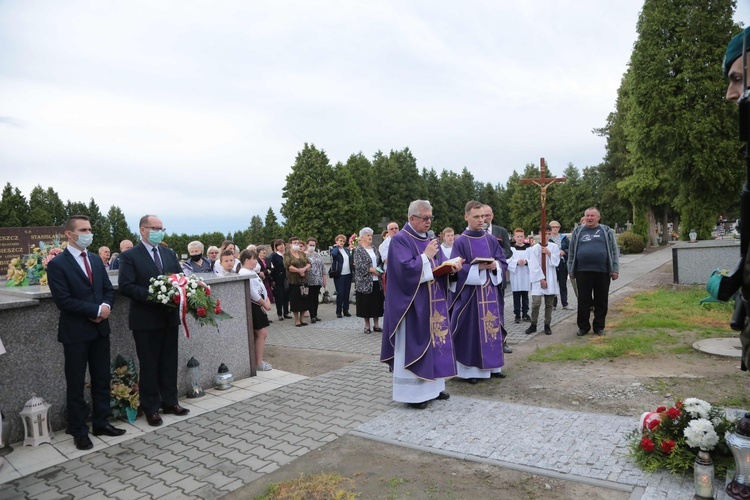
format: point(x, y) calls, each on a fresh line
point(417, 343)
point(476, 314)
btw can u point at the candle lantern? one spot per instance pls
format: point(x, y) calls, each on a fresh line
point(693, 235)
point(196, 390)
point(35, 417)
point(703, 471)
point(223, 379)
point(739, 443)
point(5, 447)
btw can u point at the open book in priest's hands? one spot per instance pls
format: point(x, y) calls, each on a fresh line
point(446, 267)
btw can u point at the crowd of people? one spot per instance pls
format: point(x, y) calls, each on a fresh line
point(434, 325)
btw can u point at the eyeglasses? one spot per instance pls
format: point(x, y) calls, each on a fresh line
point(424, 218)
point(155, 228)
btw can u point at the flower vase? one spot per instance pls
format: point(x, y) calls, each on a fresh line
point(132, 414)
point(704, 475)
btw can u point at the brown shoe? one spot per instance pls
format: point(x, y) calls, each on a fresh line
point(154, 420)
point(176, 410)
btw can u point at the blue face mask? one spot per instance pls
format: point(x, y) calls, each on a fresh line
point(155, 237)
point(85, 239)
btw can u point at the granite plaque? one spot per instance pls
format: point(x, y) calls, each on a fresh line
point(18, 241)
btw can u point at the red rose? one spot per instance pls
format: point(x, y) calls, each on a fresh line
point(201, 312)
point(217, 309)
point(661, 409)
point(653, 424)
point(208, 291)
point(647, 445)
point(667, 446)
point(218, 302)
point(673, 413)
point(679, 404)
point(176, 299)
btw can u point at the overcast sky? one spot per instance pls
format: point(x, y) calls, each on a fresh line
point(195, 111)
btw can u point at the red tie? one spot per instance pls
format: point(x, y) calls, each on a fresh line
point(88, 267)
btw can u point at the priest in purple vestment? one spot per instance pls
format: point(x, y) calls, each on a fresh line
point(416, 329)
point(477, 317)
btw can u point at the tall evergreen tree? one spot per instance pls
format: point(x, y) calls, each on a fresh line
point(46, 208)
point(679, 131)
point(14, 209)
point(118, 228)
point(255, 230)
point(272, 229)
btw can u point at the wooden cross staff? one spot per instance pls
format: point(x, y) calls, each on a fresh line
point(543, 182)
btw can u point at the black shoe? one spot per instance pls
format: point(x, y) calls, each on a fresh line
point(507, 350)
point(418, 406)
point(83, 442)
point(377, 329)
point(547, 330)
point(269, 321)
point(338, 315)
point(347, 314)
point(176, 410)
point(472, 381)
point(443, 396)
point(518, 319)
point(581, 333)
point(154, 420)
point(531, 329)
point(368, 331)
point(287, 316)
point(108, 430)
point(318, 319)
point(599, 332)
point(526, 317)
point(313, 320)
point(281, 318)
point(498, 375)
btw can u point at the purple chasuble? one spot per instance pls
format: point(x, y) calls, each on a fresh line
point(421, 307)
point(477, 315)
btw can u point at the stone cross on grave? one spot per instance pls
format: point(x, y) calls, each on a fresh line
point(543, 182)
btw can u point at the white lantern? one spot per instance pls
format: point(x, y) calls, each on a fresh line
point(35, 417)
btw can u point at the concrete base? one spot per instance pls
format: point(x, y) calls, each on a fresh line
point(730, 347)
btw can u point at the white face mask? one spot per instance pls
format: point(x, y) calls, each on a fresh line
point(85, 239)
point(295, 248)
point(310, 249)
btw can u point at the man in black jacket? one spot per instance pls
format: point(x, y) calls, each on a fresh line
point(154, 325)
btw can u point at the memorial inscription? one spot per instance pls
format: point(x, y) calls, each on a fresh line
point(18, 241)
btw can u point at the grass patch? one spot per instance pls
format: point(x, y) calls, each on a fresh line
point(678, 310)
point(607, 347)
point(655, 322)
point(312, 486)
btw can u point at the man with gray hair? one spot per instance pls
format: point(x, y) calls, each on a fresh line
point(196, 263)
point(417, 345)
point(594, 260)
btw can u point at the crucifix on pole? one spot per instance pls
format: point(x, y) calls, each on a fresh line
point(543, 182)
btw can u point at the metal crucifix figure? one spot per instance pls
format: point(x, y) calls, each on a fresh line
point(543, 182)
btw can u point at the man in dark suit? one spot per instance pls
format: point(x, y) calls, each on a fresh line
point(278, 276)
point(503, 239)
point(154, 325)
point(84, 295)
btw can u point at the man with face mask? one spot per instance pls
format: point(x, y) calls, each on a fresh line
point(83, 293)
point(154, 325)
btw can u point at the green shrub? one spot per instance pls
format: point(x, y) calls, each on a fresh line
point(630, 242)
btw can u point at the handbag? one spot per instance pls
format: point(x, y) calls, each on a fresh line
point(304, 290)
point(333, 273)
